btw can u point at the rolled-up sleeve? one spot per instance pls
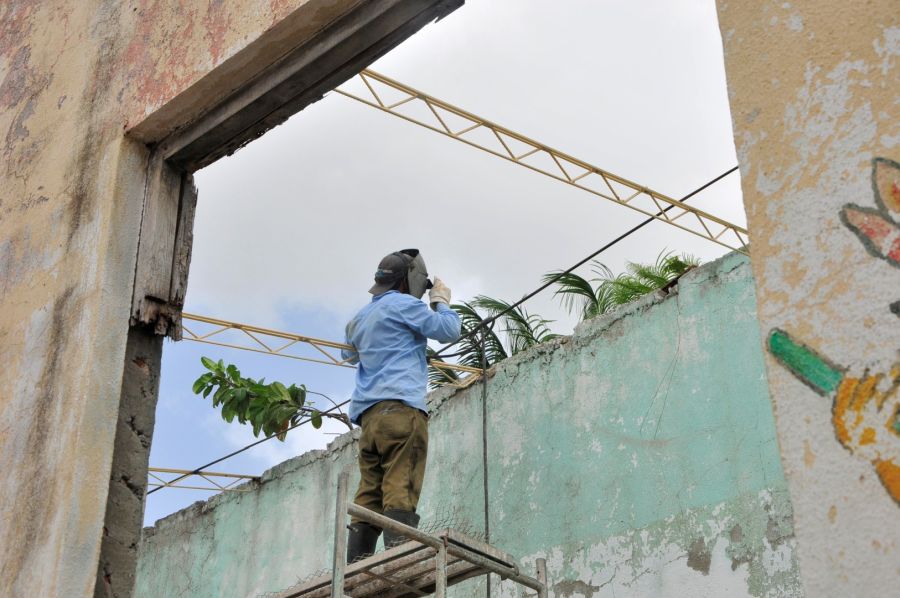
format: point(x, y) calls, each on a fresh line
point(442, 325)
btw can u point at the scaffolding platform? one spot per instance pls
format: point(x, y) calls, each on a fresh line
point(425, 565)
point(408, 570)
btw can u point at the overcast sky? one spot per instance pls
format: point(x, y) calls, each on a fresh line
point(290, 229)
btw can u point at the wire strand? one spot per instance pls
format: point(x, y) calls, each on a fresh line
point(337, 407)
point(439, 354)
point(486, 324)
point(484, 448)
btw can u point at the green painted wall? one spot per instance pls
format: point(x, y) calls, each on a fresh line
point(638, 456)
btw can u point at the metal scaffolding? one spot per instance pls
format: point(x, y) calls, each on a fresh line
point(425, 565)
point(417, 107)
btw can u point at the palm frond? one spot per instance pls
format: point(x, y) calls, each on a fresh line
point(650, 276)
point(523, 330)
point(606, 301)
point(575, 292)
point(518, 330)
point(626, 288)
point(674, 266)
point(471, 347)
point(606, 291)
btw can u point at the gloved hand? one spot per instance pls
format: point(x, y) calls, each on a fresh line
point(439, 293)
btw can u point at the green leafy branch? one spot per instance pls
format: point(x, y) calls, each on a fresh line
point(270, 408)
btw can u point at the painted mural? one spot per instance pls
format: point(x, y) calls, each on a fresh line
point(876, 227)
point(865, 409)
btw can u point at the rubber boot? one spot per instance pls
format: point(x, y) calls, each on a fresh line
point(409, 518)
point(361, 540)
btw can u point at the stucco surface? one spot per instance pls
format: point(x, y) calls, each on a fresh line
point(813, 88)
point(638, 456)
point(73, 76)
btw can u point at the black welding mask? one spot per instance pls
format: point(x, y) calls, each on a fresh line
point(407, 263)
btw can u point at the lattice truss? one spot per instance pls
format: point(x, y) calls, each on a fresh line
point(222, 333)
point(393, 97)
point(412, 105)
point(200, 480)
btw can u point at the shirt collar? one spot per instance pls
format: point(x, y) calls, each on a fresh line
point(384, 294)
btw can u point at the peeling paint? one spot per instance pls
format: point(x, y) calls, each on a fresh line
point(693, 504)
point(823, 137)
point(72, 75)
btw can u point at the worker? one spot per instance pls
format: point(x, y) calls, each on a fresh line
point(389, 337)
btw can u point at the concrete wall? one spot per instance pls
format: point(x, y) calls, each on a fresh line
point(814, 100)
point(638, 457)
point(74, 76)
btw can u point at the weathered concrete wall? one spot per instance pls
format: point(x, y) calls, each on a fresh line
point(637, 456)
point(814, 100)
point(74, 76)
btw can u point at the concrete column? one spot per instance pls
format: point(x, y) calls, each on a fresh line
point(131, 454)
point(813, 91)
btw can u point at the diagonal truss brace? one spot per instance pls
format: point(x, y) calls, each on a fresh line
point(427, 111)
point(187, 479)
point(281, 344)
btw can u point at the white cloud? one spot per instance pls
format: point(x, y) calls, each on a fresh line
point(291, 228)
point(301, 217)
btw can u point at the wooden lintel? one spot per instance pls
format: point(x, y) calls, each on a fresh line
point(300, 78)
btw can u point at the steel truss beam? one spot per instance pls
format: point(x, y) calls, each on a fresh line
point(216, 481)
point(285, 344)
point(417, 107)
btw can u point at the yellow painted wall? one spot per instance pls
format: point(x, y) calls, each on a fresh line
point(814, 90)
point(74, 75)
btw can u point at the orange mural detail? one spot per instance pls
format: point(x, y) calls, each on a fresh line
point(890, 477)
point(866, 424)
point(865, 410)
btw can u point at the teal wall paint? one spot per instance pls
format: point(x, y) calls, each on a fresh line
point(637, 456)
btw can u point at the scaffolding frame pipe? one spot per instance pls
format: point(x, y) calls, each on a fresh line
point(340, 537)
point(412, 533)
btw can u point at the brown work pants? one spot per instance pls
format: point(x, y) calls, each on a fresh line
point(392, 452)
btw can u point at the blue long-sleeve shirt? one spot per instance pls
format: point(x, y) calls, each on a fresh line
point(389, 335)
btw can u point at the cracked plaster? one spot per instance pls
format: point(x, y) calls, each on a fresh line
point(696, 500)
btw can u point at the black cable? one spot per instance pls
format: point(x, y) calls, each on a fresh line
point(252, 444)
point(487, 323)
point(484, 447)
point(553, 280)
point(490, 328)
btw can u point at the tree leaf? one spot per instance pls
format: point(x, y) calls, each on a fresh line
point(282, 431)
point(228, 413)
point(199, 385)
point(217, 398)
point(282, 390)
point(316, 419)
point(270, 408)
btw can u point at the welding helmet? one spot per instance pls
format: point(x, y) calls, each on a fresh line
point(405, 264)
